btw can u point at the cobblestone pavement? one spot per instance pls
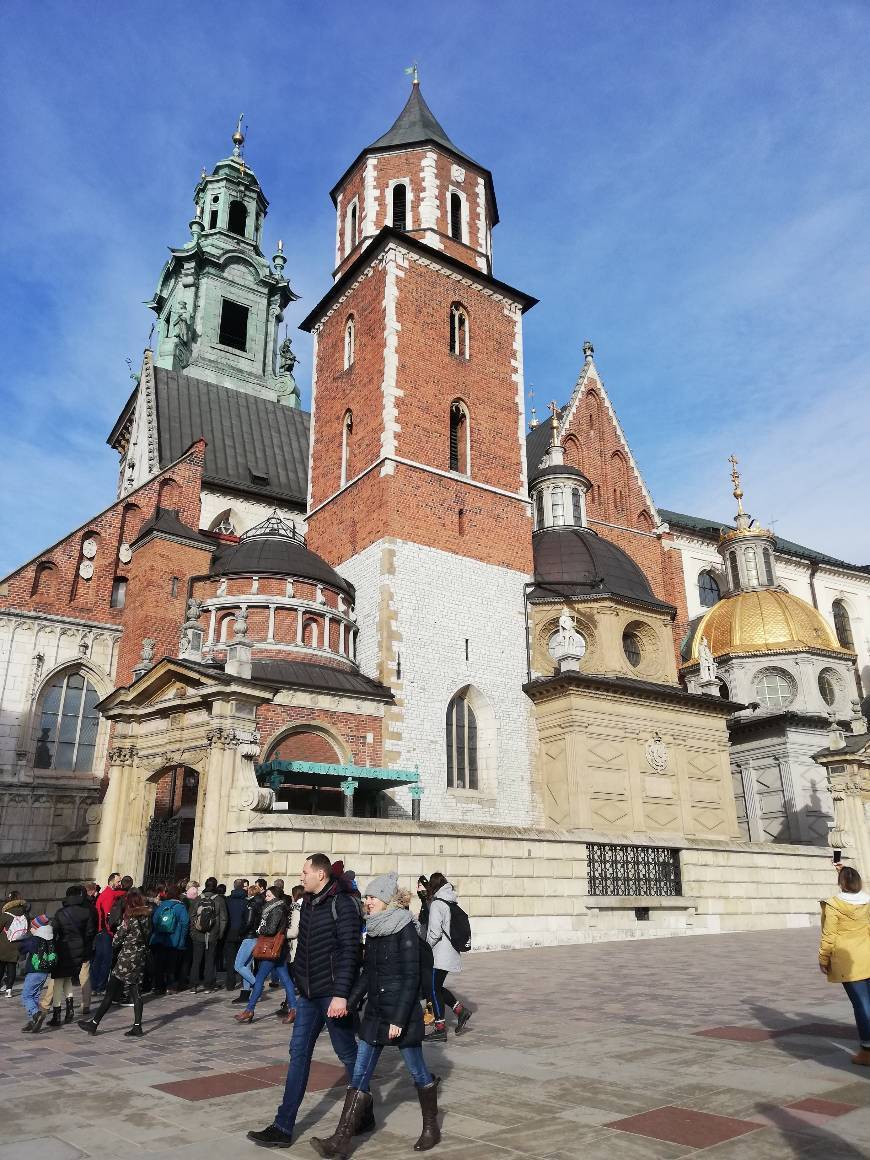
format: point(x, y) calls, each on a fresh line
point(730, 1047)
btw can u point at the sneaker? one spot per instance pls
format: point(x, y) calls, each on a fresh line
point(462, 1017)
point(439, 1035)
point(4, 991)
point(88, 1025)
point(135, 1031)
point(271, 1137)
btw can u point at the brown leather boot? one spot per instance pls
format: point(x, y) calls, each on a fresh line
point(244, 1017)
point(431, 1134)
point(340, 1143)
point(862, 1058)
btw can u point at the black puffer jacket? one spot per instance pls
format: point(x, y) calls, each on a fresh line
point(391, 981)
point(273, 920)
point(328, 948)
point(75, 928)
point(253, 915)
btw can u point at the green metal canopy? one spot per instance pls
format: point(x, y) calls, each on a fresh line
point(278, 773)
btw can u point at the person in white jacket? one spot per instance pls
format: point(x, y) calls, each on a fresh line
point(445, 958)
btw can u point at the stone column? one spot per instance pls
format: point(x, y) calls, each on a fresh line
point(347, 787)
point(113, 813)
point(213, 802)
point(416, 792)
point(849, 833)
point(756, 834)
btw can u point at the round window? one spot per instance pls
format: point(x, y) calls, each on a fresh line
point(774, 689)
point(632, 648)
point(829, 686)
point(578, 650)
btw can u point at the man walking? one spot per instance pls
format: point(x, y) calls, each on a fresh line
point(101, 962)
point(324, 970)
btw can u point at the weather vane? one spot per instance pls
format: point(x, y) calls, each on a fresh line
point(412, 72)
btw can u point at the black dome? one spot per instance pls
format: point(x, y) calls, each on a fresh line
point(577, 562)
point(275, 551)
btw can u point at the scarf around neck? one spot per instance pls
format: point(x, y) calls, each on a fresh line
point(389, 921)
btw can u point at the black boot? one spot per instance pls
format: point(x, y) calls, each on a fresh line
point(35, 1023)
point(340, 1143)
point(243, 997)
point(70, 1011)
point(431, 1134)
point(367, 1124)
point(89, 1025)
point(271, 1137)
point(55, 1020)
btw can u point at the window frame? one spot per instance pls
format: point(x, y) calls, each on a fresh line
point(346, 432)
point(706, 574)
point(118, 597)
point(62, 681)
point(783, 678)
point(459, 448)
point(223, 335)
point(462, 223)
point(349, 342)
point(843, 625)
point(460, 331)
point(463, 754)
point(244, 232)
point(405, 224)
point(351, 226)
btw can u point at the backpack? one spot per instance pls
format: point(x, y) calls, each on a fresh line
point(113, 919)
point(43, 959)
point(205, 915)
point(167, 919)
point(17, 929)
point(460, 928)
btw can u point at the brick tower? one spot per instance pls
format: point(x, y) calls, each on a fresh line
point(418, 484)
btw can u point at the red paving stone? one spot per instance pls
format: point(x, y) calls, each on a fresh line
point(822, 1107)
point(210, 1087)
point(321, 1077)
point(685, 1126)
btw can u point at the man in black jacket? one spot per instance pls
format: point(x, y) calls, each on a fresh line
point(325, 969)
point(237, 911)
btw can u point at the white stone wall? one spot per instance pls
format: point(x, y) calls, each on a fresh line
point(246, 512)
point(431, 602)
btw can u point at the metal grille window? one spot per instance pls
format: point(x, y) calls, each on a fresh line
point(627, 871)
point(631, 648)
point(461, 744)
point(67, 735)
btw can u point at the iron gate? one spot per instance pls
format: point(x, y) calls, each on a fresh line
point(161, 851)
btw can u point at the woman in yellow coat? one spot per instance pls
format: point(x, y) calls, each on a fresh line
point(844, 954)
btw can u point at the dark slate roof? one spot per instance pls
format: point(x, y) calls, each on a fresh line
point(245, 435)
point(537, 442)
point(276, 556)
point(711, 529)
point(578, 562)
point(166, 520)
point(634, 687)
point(558, 469)
point(326, 678)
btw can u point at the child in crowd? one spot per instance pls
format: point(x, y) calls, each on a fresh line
point(41, 957)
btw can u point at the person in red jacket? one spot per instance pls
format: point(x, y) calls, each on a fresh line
point(101, 963)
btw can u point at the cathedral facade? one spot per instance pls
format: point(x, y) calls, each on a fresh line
point(413, 626)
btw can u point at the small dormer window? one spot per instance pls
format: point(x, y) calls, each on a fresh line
point(400, 206)
point(234, 325)
point(237, 221)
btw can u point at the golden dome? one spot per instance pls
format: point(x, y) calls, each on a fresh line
point(763, 621)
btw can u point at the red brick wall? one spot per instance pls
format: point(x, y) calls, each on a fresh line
point(350, 727)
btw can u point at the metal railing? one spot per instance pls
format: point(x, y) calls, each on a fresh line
point(626, 871)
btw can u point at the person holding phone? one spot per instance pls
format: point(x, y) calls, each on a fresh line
point(844, 953)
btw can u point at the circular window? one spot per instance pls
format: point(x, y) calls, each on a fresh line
point(578, 649)
point(774, 689)
point(631, 646)
point(829, 685)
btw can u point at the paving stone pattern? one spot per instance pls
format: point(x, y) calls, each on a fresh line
point(731, 1047)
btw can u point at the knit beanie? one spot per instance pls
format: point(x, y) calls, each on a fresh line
point(40, 920)
point(383, 887)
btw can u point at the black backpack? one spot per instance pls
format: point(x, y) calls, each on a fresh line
point(113, 919)
point(460, 928)
point(205, 915)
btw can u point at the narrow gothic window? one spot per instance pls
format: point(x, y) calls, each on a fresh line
point(750, 561)
point(234, 325)
point(768, 565)
point(458, 330)
point(213, 213)
point(346, 432)
point(349, 342)
point(119, 593)
point(67, 731)
point(708, 590)
point(557, 507)
point(351, 227)
point(461, 744)
point(577, 506)
point(459, 437)
point(456, 217)
point(400, 206)
point(735, 571)
point(843, 625)
point(539, 510)
point(237, 220)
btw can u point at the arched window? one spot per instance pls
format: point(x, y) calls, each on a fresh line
point(557, 507)
point(632, 648)
point(225, 524)
point(455, 216)
point(213, 212)
point(750, 563)
point(460, 438)
point(735, 571)
point(592, 410)
point(843, 625)
point(768, 565)
point(351, 226)
point(349, 342)
point(461, 744)
point(708, 590)
point(237, 219)
point(539, 510)
point(346, 433)
point(644, 521)
point(400, 206)
point(310, 632)
point(458, 330)
point(66, 735)
point(577, 506)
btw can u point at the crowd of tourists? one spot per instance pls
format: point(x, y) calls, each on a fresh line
point(360, 964)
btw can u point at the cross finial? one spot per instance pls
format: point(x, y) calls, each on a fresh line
point(412, 72)
point(735, 479)
point(533, 417)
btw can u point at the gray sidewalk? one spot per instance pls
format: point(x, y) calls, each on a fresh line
point(727, 1047)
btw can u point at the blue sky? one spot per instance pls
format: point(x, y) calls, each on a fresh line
point(684, 183)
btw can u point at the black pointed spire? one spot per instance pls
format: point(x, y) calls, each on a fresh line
point(415, 125)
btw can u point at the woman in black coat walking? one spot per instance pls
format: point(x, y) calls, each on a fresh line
point(75, 928)
point(390, 983)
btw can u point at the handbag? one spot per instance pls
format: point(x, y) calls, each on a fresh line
point(269, 946)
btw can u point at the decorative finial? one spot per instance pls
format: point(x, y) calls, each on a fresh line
point(735, 479)
point(412, 72)
point(202, 174)
point(279, 259)
point(588, 350)
point(533, 420)
point(238, 137)
point(554, 421)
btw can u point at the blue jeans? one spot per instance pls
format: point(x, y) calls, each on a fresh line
point(367, 1057)
point(265, 968)
point(310, 1019)
point(33, 984)
point(242, 965)
point(859, 997)
point(101, 961)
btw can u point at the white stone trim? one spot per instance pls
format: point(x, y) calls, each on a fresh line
point(389, 387)
point(370, 198)
point(314, 335)
point(518, 377)
point(622, 528)
point(409, 199)
point(483, 234)
point(338, 221)
point(429, 199)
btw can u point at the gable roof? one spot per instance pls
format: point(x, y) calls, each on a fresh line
point(246, 436)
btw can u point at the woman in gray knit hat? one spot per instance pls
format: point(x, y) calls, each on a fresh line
point(390, 984)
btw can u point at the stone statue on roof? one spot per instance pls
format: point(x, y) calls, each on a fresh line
point(706, 661)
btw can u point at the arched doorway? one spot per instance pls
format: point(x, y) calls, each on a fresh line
point(169, 849)
point(312, 789)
